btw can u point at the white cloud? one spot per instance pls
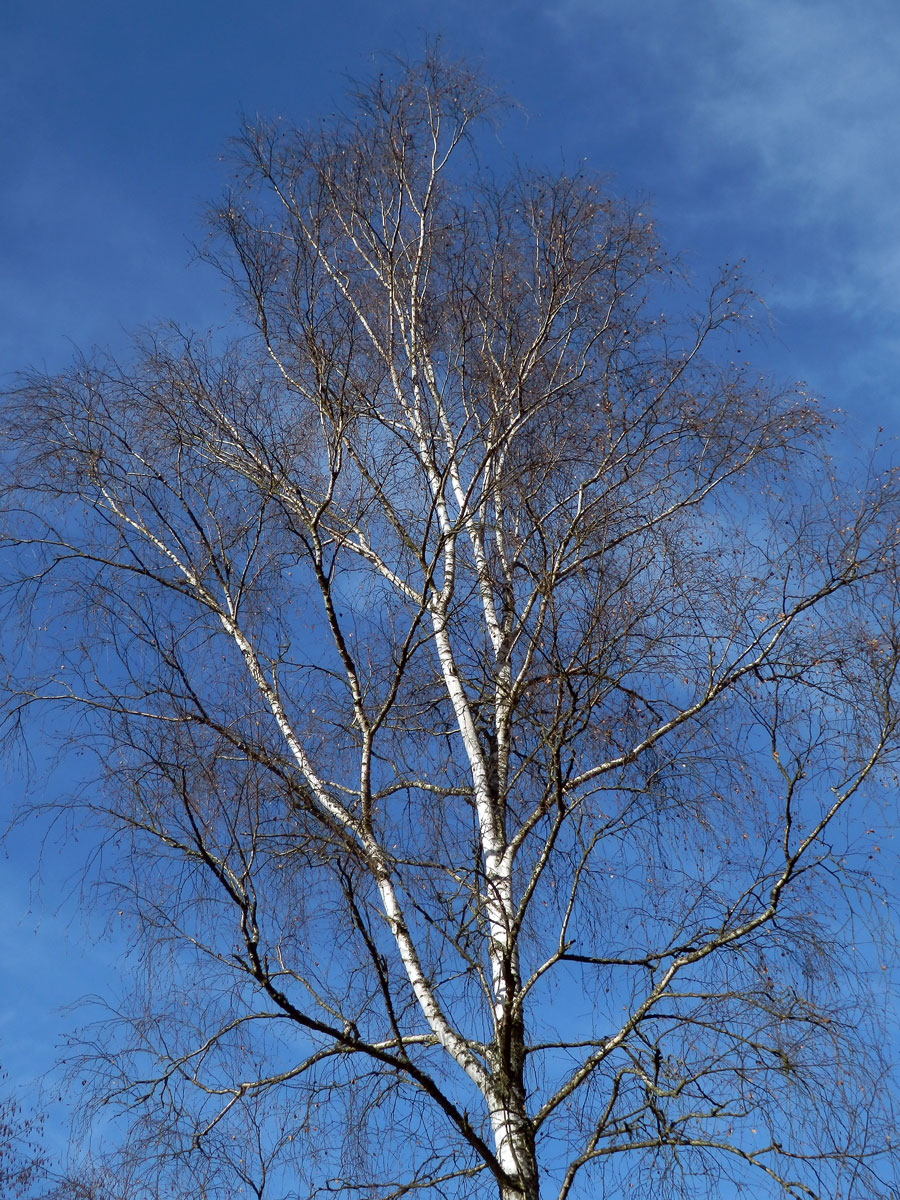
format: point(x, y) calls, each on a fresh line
point(803, 94)
point(812, 92)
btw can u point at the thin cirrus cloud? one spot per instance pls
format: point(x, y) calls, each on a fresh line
point(799, 100)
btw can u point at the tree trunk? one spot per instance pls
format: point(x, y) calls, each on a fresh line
point(523, 1186)
point(517, 1157)
point(513, 1132)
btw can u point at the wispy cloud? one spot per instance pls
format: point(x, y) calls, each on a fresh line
point(803, 94)
point(813, 93)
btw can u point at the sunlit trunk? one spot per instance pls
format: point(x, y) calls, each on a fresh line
point(512, 1129)
point(514, 1142)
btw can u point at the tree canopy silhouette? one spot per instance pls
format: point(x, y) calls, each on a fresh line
point(491, 676)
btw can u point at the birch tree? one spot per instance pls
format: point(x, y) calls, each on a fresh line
point(492, 681)
point(23, 1162)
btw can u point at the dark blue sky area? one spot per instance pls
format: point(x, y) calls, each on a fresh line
point(758, 129)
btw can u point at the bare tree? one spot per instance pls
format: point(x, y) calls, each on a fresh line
point(492, 680)
point(23, 1161)
point(241, 1157)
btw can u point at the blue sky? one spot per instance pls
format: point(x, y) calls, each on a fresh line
point(764, 130)
point(760, 129)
